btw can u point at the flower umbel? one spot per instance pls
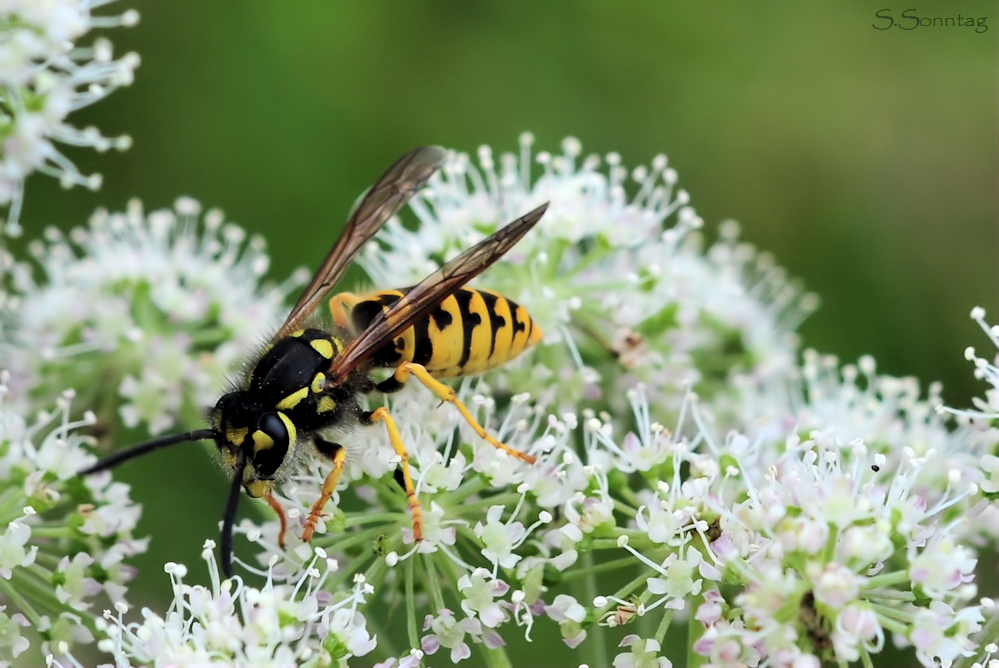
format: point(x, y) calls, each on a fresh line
point(232, 623)
point(44, 76)
point(689, 468)
point(145, 313)
point(64, 541)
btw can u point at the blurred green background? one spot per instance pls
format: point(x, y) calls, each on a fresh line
point(864, 159)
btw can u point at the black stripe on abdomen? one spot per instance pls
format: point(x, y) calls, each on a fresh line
point(469, 322)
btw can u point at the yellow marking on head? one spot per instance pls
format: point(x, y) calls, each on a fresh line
point(325, 405)
point(261, 441)
point(324, 347)
point(236, 436)
point(297, 332)
point(317, 383)
point(292, 399)
point(258, 488)
point(289, 427)
point(338, 346)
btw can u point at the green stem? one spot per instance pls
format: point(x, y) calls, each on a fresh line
point(498, 500)
point(342, 544)
point(887, 579)
point(664, 623)
point(495, 658)
point(51, 532)
point(597, 632)
point(22, 603)
point(360, 519)
point(599, 568)
point(432, 584)
point(414, 636)
point(464, 491)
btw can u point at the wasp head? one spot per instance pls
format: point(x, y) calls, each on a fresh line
point(263, 434)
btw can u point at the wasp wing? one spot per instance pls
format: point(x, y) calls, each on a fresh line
point(428, 295)
point(388, 195)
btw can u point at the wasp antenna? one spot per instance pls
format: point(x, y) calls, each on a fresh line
point(116, 458)
point(230, 513)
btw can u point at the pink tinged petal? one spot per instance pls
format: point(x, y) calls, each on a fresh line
point(627, 640)
point(709, 571)
point(460, 652)
point(492, 616)
point(704, 646)
point(724, 548)
point(430, 644)
point(708, 613)
point(493, 640)
point(574, 642)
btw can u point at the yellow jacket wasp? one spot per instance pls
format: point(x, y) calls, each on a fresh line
point(307, 380)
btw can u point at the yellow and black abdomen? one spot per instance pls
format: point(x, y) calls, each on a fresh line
point(471, 331)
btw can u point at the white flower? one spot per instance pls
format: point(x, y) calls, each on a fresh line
point(232, 623)
point(499, 539)
point(479, 597)
point(12, 643)
point(48, 535)
point(144, 314)
point(44, 76)
point(450, 632)
point(643, 653)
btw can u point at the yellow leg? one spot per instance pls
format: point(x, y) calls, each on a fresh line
point(445, 393)
point(382, 415)
point(329, 486)
point(340, 307)
point(273, 503)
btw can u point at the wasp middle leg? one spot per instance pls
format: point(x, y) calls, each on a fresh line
point(338, 455)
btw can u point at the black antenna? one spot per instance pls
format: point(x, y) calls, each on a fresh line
point(116, 458)
point(230, 513)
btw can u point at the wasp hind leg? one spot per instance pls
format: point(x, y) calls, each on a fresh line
point(337, 454)
point(445, 393)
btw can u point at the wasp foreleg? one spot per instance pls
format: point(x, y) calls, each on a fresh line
point(282, 518)
point(338, 455)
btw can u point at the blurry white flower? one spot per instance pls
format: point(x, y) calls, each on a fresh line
point(55, 560)
point(45, 74)
point(144, 313)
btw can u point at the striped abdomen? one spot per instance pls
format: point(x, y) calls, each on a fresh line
point(470, 332)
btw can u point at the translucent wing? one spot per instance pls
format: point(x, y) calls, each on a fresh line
point(429, 294)
point(388, 195)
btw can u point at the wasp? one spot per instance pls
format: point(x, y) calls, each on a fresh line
point(306, 382)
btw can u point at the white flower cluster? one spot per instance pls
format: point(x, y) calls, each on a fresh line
point(794, 513)
point(827, 496)
point(63, 541)
point(230, 623)
point(44, 76)
point(601, 274)
point(144, 313)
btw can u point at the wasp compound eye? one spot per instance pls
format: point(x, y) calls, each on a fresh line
point(270, 445)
